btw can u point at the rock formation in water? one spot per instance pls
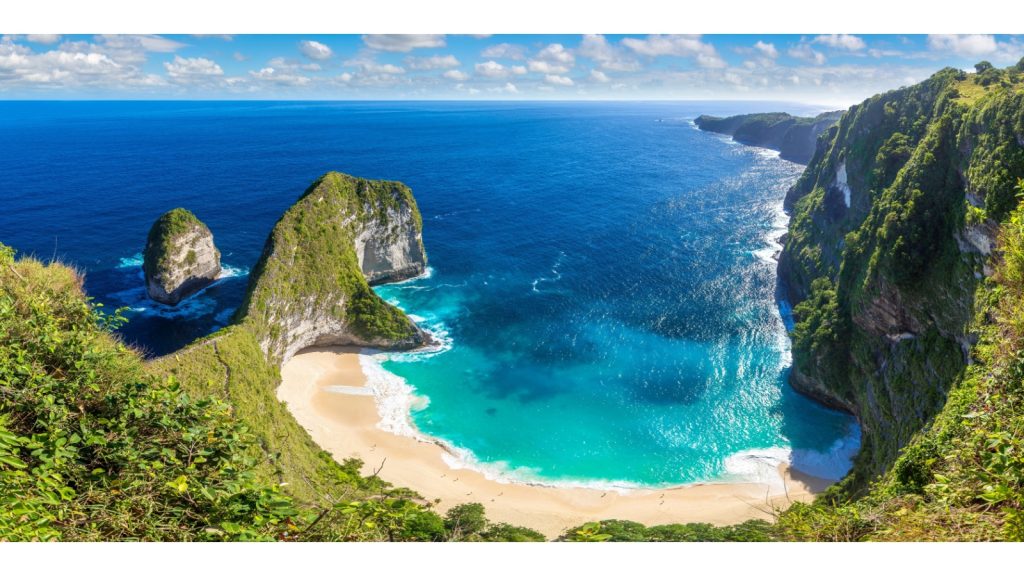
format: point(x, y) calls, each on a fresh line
point(794, 137)
point(311, 286)
point(180, 257)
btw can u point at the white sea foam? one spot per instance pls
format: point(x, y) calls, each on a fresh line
point(762, 466)
point(195, 306)
point(557, 274)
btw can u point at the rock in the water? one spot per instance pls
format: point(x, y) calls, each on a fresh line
point(180, 258)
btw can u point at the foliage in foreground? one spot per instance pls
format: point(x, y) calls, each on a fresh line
point(95, 447)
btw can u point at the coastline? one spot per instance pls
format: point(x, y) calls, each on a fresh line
point(326, 391)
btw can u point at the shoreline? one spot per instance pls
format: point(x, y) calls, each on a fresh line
point(326, 391)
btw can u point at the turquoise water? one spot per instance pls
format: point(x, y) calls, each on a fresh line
point(601, 272)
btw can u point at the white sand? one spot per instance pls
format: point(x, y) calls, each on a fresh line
point(325, 391)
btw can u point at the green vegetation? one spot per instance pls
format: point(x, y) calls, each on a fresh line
point(626, 531)
point(158, 242)
point(309, 263)
point(885, 289)
point(793, 136)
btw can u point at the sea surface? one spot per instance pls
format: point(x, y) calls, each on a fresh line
point(601, 274)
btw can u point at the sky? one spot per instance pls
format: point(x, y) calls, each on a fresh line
point(831, 70)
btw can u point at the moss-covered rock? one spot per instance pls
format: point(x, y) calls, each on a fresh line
point(180, 257)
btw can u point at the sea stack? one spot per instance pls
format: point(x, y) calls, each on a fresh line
point(180, 258)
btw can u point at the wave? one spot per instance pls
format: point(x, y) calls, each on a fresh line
point(762, 466)
point(554, 270)
point(195, 306)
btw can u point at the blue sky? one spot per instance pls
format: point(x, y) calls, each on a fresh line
point(820, 69)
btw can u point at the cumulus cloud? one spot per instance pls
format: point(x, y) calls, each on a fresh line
point(43, 38)
point(432, 62)
point(508, 88)
point(279, 77)
point(682, 45)
point(963, 44)
point(491, 69)
point(192, 69)
point(557, 80)
point(403, 42)
point(505, 50)
point(112, 62)
point(457, 75)
point(766, 49)
point(315, 50)
point(609, 57)
point(842, 42)
point(803, 51)
point(599, 76)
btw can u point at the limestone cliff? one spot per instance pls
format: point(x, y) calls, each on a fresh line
point(180, 257)
point(794, 137)
point(311, 286)
point(893, 224)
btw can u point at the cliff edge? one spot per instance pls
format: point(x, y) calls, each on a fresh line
point(794, 137)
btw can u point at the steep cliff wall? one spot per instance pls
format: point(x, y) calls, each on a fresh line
point(794, 137)
point(893, 224)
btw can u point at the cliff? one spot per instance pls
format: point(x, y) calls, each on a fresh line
point(311, 286)
point(794, 137)
point(893, 230)
point(180, 257)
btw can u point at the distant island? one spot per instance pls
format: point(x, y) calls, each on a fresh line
point(794, 137)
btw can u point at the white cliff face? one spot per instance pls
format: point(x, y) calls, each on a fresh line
point(191, 263)
point(391, 252)
point(841, 183)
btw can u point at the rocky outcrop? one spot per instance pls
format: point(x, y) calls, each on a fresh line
point(311, 286)
point(893, 226)
point(795, 137)
point(180, 257)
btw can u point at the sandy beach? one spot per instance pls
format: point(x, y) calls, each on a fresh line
point(325, 389)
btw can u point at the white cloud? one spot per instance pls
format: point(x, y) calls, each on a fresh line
point(518, 70)
point(457, 75)
point(505, 50)
point(508, 88)
point(190, 69)
point(557, 80)
point(599, 76)
point(963, 44)
point(609, 57)
point(403, 42)
point(315, 50)
point(682, 45)
point(842, 42)
point(546, 67)
point(803, 51)
point(432, 62)
point(290, 65)
point(77, 65)
point(491, 69)
point(239, 57)
point(43, 38)
point(148, 43)
point(275, 76)
point(767, 49)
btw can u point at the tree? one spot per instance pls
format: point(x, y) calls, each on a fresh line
point(465, 520)
point(983, 66)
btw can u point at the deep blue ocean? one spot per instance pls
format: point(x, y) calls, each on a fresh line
point(601, 273)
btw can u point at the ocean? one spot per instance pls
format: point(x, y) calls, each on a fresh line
point(601, 274)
